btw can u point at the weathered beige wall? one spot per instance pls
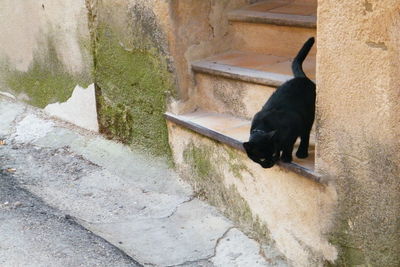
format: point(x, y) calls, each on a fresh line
point(358, 126)
point(44, 49)
point(273, 205)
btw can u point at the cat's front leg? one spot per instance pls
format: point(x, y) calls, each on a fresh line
point(287, 152)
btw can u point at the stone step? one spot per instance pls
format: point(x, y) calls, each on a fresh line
point(277, 27)
point(239, 83)
point(266, 69)
point(278, 12)
point(233, 131)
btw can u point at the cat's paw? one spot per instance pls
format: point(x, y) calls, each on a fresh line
point(286, 158)
point(302, 154)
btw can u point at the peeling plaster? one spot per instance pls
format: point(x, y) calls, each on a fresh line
point(79, 109)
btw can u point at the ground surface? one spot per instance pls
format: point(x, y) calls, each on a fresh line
point(34, 234)
point(71, 198)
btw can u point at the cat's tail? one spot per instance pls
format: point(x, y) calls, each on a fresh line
point(297, 65)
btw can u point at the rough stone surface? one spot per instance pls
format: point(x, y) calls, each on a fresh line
point(358, 126)
point(132, 200)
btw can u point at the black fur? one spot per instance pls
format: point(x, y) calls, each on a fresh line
point(287, 115)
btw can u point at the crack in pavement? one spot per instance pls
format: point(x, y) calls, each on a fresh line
point(209, 257)
point(191, 198)
point(220, 239)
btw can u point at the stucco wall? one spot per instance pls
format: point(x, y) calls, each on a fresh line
point(44, 49)
point(358, 129)
point(274, 206)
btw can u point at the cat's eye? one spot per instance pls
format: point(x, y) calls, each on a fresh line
point(262, 160)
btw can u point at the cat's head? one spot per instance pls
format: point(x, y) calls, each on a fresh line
point(261, 148)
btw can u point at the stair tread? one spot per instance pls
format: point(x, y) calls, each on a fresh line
point(279, 12)
point(253, 67)
point(233, 131)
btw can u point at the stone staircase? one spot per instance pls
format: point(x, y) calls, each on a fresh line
point(286, 205)
point(233, 86)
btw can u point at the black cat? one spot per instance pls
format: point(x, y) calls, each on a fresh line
point(287, 115)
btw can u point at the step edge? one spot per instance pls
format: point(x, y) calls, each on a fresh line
point(204, 131)
point(293, 167)
point(239, 73)
point(290, 20)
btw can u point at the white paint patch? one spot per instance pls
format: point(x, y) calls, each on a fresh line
point(7, 94)
point(79, 109)
point(32, 128)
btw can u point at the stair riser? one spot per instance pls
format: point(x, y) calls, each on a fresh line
point(223, 95)
point(271, 39)
point(245, 191)
point(238, 98)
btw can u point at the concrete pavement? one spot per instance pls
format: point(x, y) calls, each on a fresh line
point(128, 199)
point(34, 234)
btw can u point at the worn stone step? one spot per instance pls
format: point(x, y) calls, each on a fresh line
point(277, 27)
point(239, 83)
point(266, 69)
point(278, 12)
point(233, 131)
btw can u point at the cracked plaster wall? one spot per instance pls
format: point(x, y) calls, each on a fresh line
point(358, 127)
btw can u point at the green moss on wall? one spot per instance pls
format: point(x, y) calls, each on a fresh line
point(236, 167)
point(46, 80)
point(208, 180)
point(41, 85)
point(116, 120)
point(134, 84)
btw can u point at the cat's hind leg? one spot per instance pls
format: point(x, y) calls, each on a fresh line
point(302, 151)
